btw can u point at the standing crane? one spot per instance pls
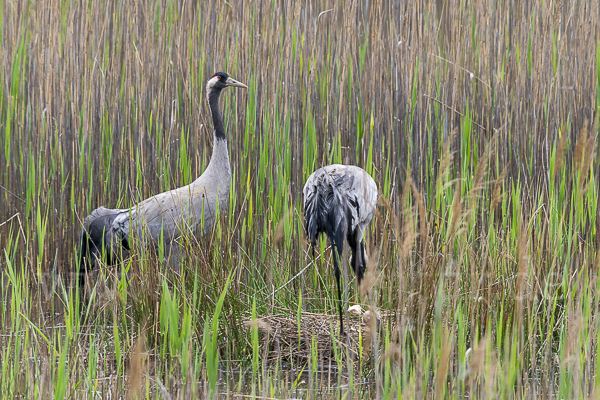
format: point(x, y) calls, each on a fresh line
point(340, 201)
point(193, 208)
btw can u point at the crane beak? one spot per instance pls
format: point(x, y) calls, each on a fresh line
point(233, 82)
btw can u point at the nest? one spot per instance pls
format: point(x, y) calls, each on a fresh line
point(282, 338)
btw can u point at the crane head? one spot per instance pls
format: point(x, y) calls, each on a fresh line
point(221, 80)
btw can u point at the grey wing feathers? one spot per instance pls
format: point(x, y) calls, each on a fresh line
point(170, 213)
point(359, 189)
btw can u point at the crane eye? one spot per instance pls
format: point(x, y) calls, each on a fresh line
point(219, 77)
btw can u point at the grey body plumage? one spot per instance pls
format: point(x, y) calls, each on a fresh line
point(106, 233)
point(340, 201)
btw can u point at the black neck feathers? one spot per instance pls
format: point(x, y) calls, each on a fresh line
point(213, 102)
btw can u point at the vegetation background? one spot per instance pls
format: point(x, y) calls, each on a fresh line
point(477, 119)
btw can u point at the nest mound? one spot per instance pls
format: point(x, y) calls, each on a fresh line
point(283, 338)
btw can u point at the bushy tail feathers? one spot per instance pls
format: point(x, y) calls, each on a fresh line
point(325, 212)
point(97, 239)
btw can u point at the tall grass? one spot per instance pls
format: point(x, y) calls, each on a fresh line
point(478, 120)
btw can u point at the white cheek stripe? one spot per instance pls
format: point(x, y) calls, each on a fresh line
point(211, 82)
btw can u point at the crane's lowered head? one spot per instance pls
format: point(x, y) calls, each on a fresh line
point(220, 81)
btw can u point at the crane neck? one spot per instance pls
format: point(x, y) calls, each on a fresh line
point(218, 167)
point(213, 103)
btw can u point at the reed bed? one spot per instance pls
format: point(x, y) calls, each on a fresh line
point(478, 121)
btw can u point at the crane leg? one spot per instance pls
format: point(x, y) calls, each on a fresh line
point(82, 260)
point(358, 259)
point(86, 253)
point(82, 276)
point(359, 264)
point(363, 260)
point(336, 270)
